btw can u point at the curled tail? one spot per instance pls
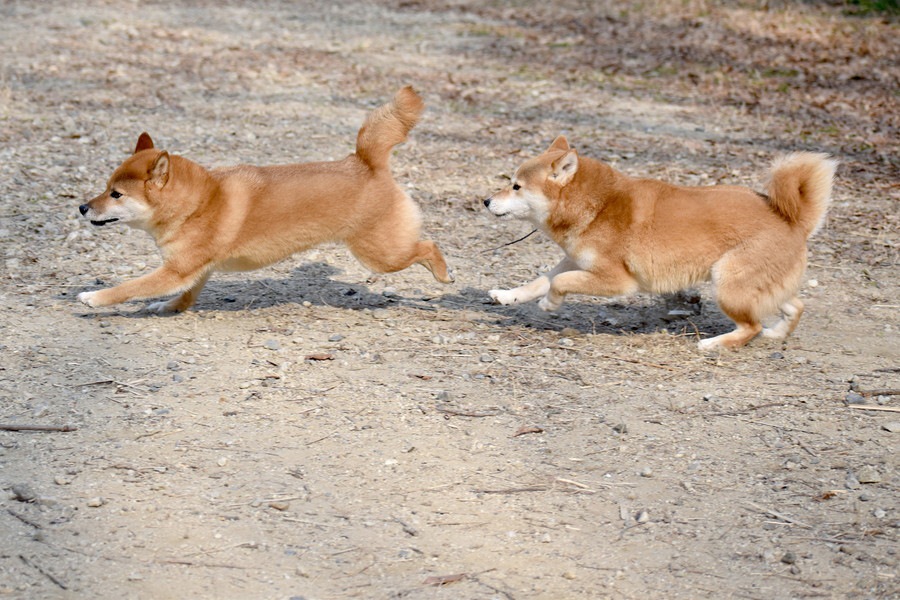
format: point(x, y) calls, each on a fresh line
point(388, 126)
point(800, 189)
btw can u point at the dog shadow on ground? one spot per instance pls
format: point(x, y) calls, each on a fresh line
point(318, 283)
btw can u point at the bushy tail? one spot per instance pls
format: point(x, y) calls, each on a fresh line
point(800, 189)
point(388, 126)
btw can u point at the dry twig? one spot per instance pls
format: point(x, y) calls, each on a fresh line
point(23, 427)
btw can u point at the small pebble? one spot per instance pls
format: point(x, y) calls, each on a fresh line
point(96, 502)
point(23, 492)
point(279, 505)
point(854, 398)
point(892, 426)
point(486, 358)
point(569, 575)
point(620, 428)
point(642, 517)
point(879, 513)
point(173, 365)
point(566, 342)
point(646, 472)
point(272, 345)
point(335, 338)
point(789, 558)
point(868, 474)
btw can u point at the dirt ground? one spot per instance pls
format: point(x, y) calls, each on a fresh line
point(305, 432)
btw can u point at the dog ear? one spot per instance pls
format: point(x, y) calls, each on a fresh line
point(159, 172)
point(563, 169)
point(560, 143)
point(145, 142)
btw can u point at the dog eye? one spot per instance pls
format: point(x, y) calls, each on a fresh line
point(115, 194)
point(516, 187)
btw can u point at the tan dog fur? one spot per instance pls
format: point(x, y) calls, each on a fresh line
point(622, 235)
point(246, 217)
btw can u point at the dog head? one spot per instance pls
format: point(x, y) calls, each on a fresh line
point(130, 192)
point(537, 184)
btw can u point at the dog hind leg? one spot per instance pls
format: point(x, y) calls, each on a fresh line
point(740, 292)
point(390, 253)
point(734, 339)
point(428, 255)
point(393, 243)
point(791, 312)
point(180, 303)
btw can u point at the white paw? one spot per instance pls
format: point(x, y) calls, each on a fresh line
point(162, 307)
point(504, 297)
point(708, 343)
point(548, 305)
point(775, 333)
point(87, 298)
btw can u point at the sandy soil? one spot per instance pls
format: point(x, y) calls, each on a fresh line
point(307, 433)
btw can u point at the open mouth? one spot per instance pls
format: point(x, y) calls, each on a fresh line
point(104, 222)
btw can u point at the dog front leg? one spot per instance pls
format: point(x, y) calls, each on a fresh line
point(534, 289)
point(160, 282)
point(613, 282)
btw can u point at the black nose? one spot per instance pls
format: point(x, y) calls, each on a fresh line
point(487, 202)
point(83, 209)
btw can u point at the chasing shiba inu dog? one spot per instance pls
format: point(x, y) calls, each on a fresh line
point(622, 235)
point(246, 217)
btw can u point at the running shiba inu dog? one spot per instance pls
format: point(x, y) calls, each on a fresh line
point(622, 235)
point(246, 217)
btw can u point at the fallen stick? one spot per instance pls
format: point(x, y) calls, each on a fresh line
point(778, 515)
point(874, 407)
point(23, 518)
point(888, 392)
point(23, 427)
point(512, 490)
point(460, 413)
point(190, 563)
point(638, 362)
point(40, 570)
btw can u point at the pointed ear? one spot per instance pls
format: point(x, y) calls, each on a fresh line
point(560, 143)
point(563, 169)
point(144, 143)
point(159, 172)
